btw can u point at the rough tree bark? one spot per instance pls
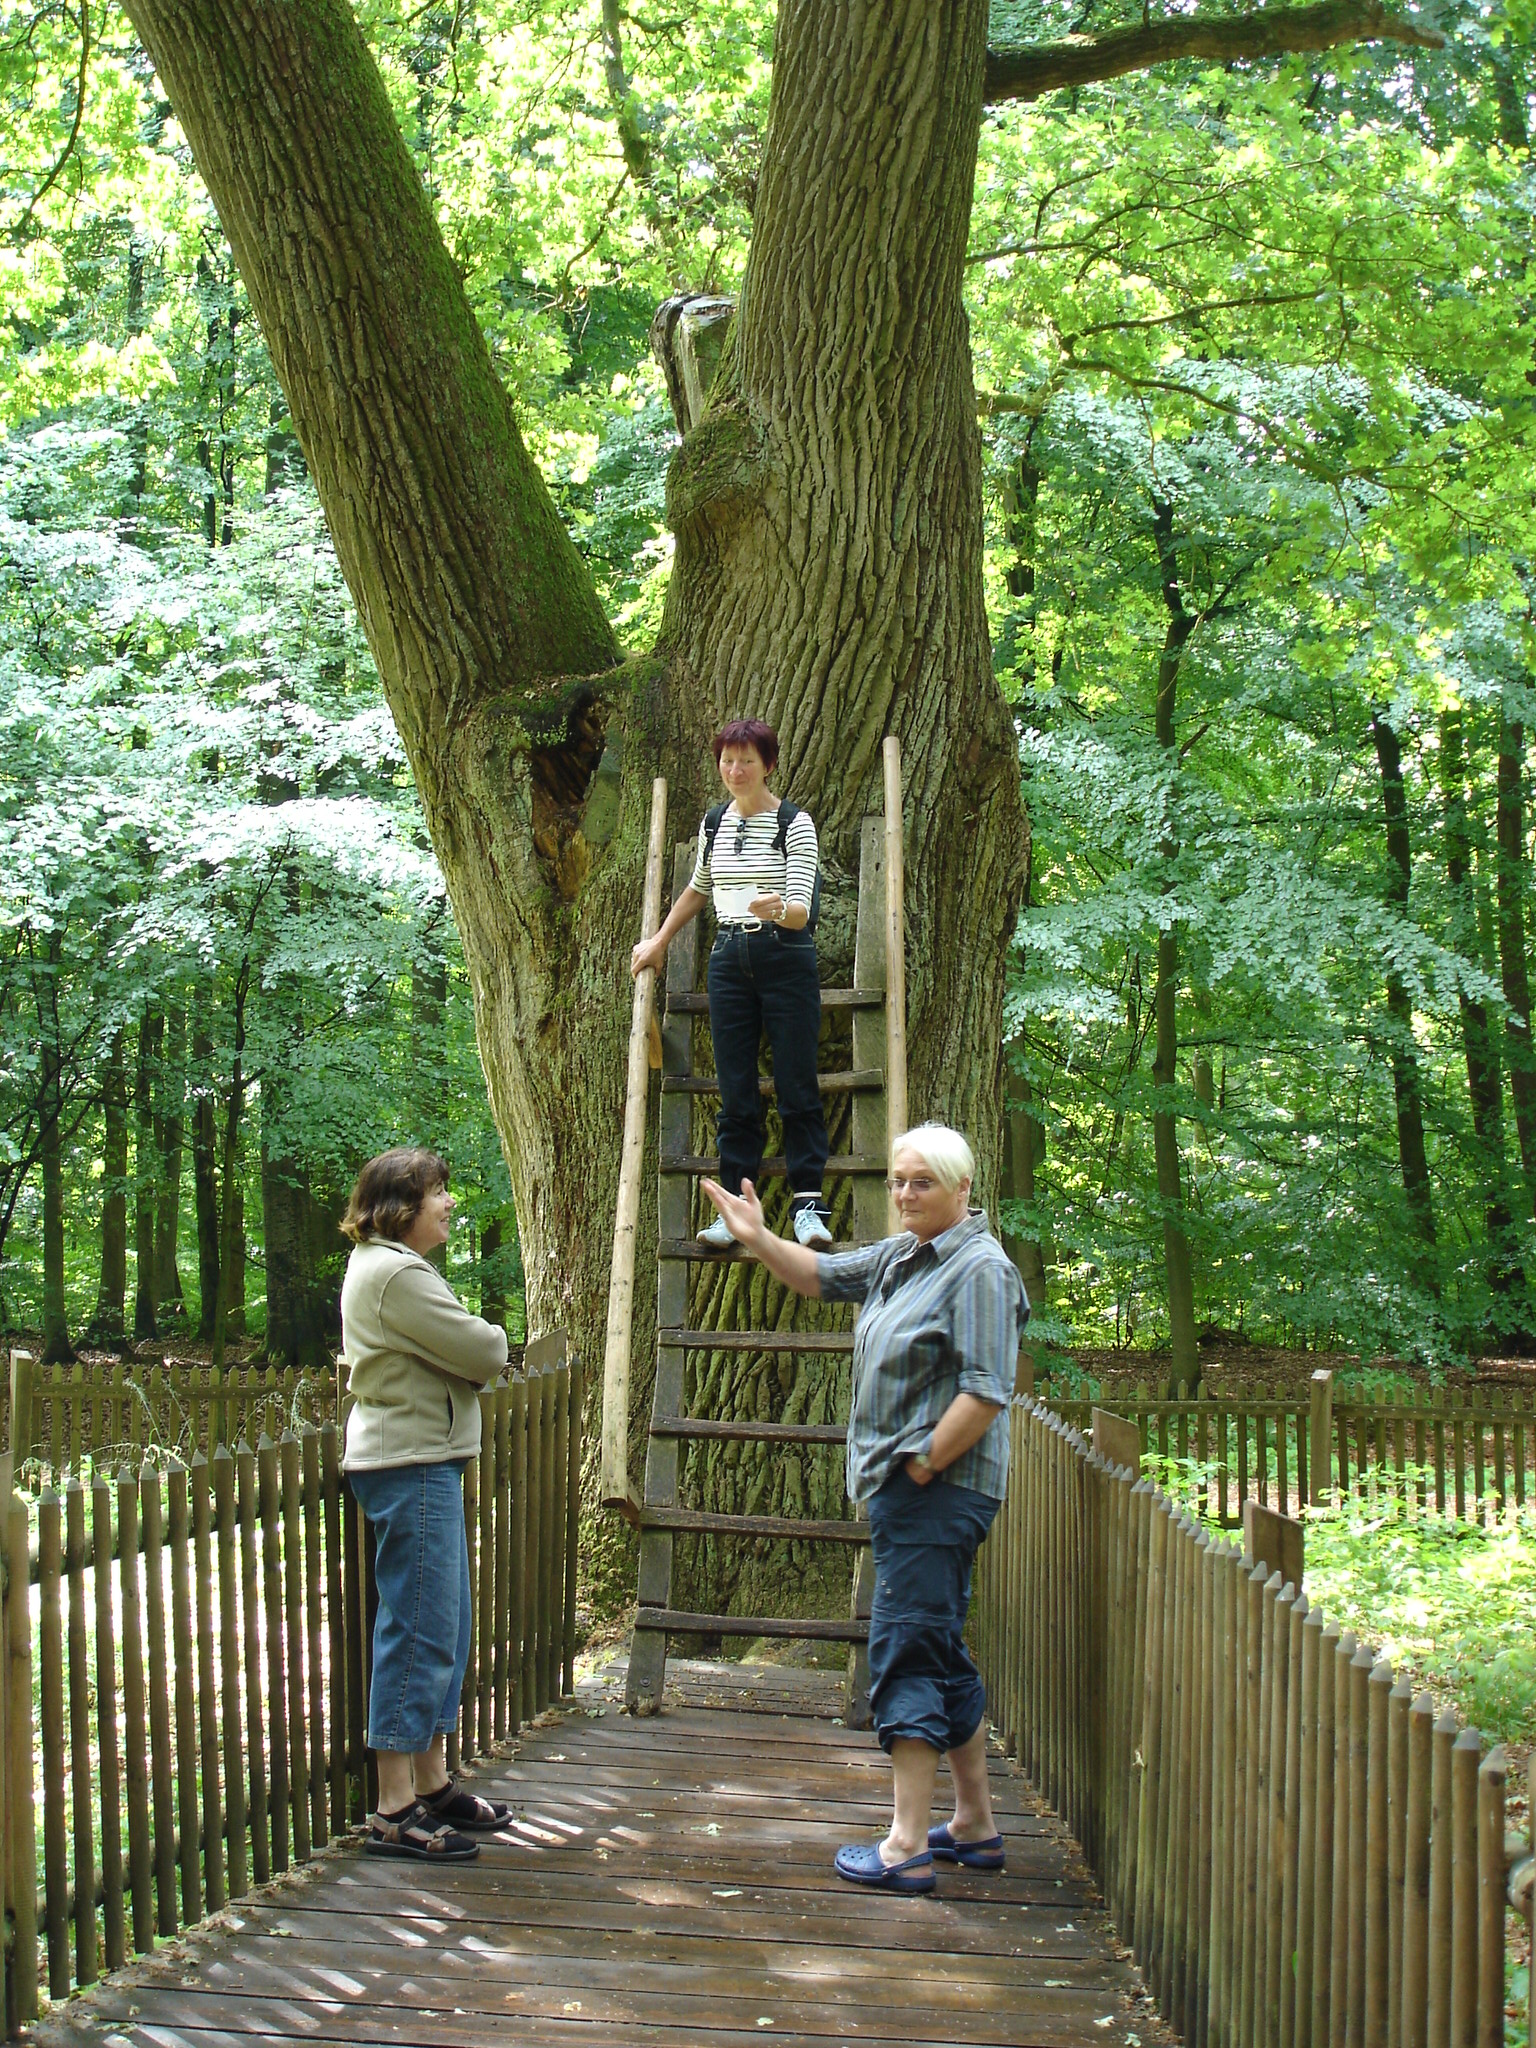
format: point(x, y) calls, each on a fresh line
point(1510, 833)
point(1413, 1159)
point(1184, 1360)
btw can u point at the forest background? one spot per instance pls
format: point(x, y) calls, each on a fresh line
point(1253, 353)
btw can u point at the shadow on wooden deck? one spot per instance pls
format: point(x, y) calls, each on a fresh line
point(666, 1882)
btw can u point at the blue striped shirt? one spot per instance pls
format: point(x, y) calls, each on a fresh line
point(938, 1319)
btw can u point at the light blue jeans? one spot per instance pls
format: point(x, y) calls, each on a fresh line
point(421, 1631)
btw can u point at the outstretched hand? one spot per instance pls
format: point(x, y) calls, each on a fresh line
point(743, 1212)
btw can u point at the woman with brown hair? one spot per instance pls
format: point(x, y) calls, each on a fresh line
point(417, 1359)
point(757, 857)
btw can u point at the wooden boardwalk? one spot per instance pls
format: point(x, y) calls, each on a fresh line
point(667, 1884)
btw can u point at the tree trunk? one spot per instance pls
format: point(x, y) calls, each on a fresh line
point(1512, 955)
point(57, 1349)
point(170, 1136)
point(107, 1326)
point(828, 569)
point(302, 1249)
point(229, 1307)
point(146, 1164)
point(1484, 1088)
point(1184, 1348)
point(1023, 1139)
point(1413, 1160)
point(493, 1285)
point(205, 1185)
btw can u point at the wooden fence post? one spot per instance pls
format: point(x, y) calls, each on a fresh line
point(20, 1812)
point(1320, 1441)
point(23, 1374)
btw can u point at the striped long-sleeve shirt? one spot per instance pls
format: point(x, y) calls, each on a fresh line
point(744, 861)
point(938, 1319)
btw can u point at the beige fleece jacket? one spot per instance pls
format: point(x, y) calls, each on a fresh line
point(416, 1359)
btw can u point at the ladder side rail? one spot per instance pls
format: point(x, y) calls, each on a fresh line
point(617, 1490)
point(871, 1205)
point(895, 945)
point(648, 1647)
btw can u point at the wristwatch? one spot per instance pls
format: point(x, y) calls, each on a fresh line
point(922, 1458)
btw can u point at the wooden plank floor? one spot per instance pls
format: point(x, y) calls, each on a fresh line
point(666, 1884)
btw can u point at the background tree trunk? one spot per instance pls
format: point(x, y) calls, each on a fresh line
point(170, 1130)
point(1023, 1141)
point(1413, 1160)
point(1484, 1089)
point(301, 1246)
point(205, 1185)
point(146, 1174)
point(57, 1349)
point(107, 1326)
point(1184, 1361)
point(1519, 1053)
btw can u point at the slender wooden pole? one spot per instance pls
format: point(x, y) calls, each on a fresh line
point(617, 1490)
point(895, 946)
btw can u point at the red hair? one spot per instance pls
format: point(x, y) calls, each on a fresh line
point(749, 732)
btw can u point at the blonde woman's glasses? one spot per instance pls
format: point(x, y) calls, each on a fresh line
point(918, 1183)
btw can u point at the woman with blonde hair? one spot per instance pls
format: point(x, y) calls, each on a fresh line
point(934, 1353)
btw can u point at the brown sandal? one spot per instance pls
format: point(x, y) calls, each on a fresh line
point(461, 1808)
point(418, 1835)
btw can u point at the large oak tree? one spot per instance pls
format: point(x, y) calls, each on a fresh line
point(827, 512)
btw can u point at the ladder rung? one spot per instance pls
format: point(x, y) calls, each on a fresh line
point(859, 1079)
point(701, 1522)
point(839, 1163)
point(753, 1432)
point(696, 1003)
point(690, 1248)
point(675, 1622)
point(756, 1340)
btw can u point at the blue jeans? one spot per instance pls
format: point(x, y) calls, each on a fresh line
point(421, 1631)
point(923, 1685)
point(768, 979)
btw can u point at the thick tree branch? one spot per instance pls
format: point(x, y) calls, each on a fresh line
point(1028, 72)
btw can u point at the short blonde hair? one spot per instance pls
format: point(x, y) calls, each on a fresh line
point(950, 1157)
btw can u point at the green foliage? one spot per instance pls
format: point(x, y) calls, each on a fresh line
point(1447, 1601)
point(1255, 330)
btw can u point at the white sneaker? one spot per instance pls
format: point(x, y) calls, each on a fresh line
point(718, 1235)
point(811, 1229)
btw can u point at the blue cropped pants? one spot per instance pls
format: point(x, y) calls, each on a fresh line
point(923, 1685)
point(421, 1631)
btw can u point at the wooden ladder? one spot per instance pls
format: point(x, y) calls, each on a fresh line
point(876, 1081)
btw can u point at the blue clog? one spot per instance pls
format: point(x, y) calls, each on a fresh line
point(862, 1864)
point(986, 1855)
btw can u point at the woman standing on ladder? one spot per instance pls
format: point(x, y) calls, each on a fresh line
point(758, 856)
